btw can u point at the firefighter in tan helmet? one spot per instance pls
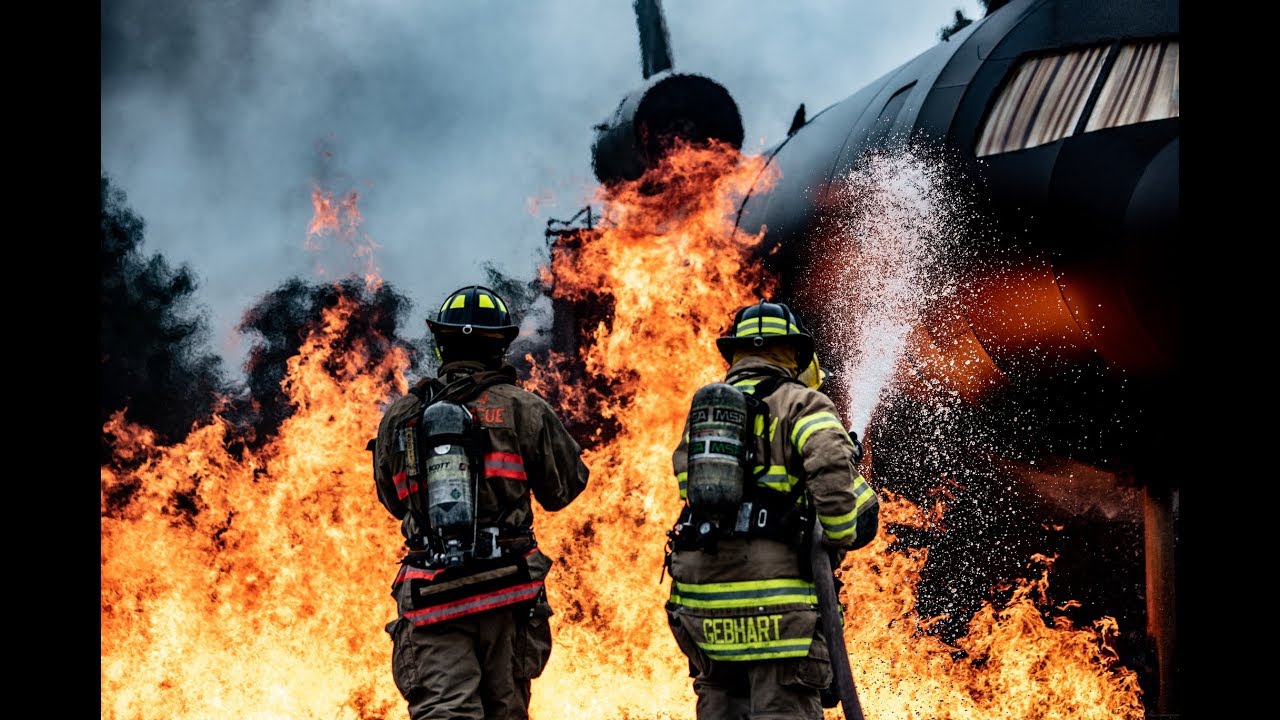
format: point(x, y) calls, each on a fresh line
point(457, 460)
point(762, 454)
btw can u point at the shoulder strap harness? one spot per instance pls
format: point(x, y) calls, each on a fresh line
point(765, 511)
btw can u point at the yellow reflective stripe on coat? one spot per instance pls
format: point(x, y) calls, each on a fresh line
point(809, 424)
point(759, 427)
point(744, 594)
point(683, 479)
point(747, 384)
point(776, 477)
point(767, 650)
point(838, 527)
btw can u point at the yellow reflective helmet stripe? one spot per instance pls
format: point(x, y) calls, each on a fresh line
point(486, 300)
point(765, 326)
point(501, 305)
point(809, 424)
point(459, 300)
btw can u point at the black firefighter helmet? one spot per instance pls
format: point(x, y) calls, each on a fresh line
point(475, 321)
point(754, 326)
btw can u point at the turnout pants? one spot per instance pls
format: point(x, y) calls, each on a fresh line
point(478, 667)
point(785, 689)
point(762, 690)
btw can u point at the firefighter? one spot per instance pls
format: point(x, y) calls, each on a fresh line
point(762, 454)
point(457, 461)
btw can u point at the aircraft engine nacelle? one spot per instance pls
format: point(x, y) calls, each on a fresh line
point(668, 105)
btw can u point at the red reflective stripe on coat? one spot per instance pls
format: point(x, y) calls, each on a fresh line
point(504, 465)
point(403, 487)
point(408, 572)
point(479, 603)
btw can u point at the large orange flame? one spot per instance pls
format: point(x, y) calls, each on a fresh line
point(254, 583)
point(670, 261)
point(674, 271)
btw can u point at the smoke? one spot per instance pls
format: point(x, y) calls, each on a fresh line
point(529, 302)
point(156, 361)
point(154, 41)
point(222, 117)
point(461, 125)
point(156, 364)
point(281, 321)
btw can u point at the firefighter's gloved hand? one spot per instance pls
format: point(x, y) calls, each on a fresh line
point(836, 555)
point(829, 696)
point(409, 526)
point(857, 447)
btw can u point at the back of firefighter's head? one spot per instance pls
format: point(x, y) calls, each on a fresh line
point(473, 324)
point(770, 329)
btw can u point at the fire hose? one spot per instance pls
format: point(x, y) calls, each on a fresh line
point(832, 625)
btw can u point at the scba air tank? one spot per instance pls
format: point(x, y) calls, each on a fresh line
point(446, 429)
point(717, 451)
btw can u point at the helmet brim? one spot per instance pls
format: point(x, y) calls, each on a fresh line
point(506, 333)
point(730, 345)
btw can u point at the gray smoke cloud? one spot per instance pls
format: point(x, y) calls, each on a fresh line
point(462, 126)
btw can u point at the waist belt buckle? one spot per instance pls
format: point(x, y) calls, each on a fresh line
point(487, 544)
point(743, 524)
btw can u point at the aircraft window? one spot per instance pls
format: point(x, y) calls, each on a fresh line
point(1042, 103)
point(1142, 86)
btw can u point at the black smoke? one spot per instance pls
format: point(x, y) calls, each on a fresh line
point(156, 364)
point(283, 319)
point(163, 41)
point(522, 297)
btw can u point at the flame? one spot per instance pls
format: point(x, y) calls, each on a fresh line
point(1011, 664)
point(672, 271)
point(668, 258)
point(253, 583)
point(341, 217)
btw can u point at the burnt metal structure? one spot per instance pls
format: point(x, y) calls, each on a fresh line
point(1065, 114)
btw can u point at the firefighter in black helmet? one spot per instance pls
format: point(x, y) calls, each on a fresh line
point(457, 460)
point(743, 605)
point(473, 325)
